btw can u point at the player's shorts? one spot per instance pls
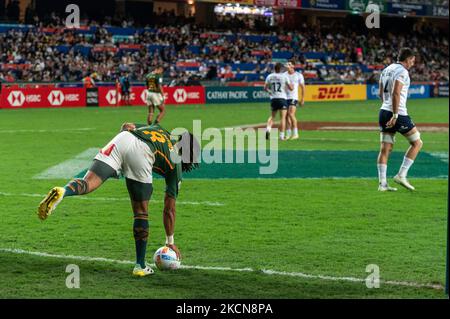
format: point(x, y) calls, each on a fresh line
point(129, 155)
point(155, 99)
point(278, 104)
point(403, 125)
point(292, 102)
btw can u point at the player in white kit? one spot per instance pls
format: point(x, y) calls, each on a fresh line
point(277, 84)
point(293, 99)
point(393, 117)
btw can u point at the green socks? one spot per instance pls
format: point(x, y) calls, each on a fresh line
point(76, 187)
point(140, 231)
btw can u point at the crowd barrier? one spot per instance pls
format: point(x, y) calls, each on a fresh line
point(50, 96)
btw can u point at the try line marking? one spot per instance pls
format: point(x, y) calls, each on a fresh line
point(229, 269)
point(115, 199)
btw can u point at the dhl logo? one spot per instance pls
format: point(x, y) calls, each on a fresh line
point(333, 93)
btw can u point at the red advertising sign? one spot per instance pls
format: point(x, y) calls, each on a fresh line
point(42, 97)
point(109, 96)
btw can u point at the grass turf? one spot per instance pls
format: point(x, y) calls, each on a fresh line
point(319, 227)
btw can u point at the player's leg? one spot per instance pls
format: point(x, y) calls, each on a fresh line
point(293, 119)
point(288, 126)
point(269, 125)
point(386, 146)
point(151, 111)
point(415, 142)
point(283, 113)
point(140, 194)
point(162, 112)
point(137, 169)
point(97, 174)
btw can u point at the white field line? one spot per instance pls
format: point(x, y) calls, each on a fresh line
point(115, 199)
point(81, 129)
point(229, 269)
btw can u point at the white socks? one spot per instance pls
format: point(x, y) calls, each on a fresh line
point(407, 163)
point(295, 131)
point(288, 133)
point(382, 168)
point(268, 128)
point(282, 135)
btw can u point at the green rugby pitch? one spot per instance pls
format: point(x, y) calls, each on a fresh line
point(308, 231)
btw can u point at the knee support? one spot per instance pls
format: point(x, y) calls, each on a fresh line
point(413, 137)
point(387, 138)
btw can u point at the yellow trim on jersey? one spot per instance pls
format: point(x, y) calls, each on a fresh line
point(165, 157)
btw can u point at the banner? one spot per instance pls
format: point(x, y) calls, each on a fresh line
point(236, 94)
point(416, 91)
point(246, 2)
point(42, 97)
point(407, 9)
point(366, 5)
point(439, 11)
point(324, 4)
point(92, 97)
point(440, 90)
point(109, 96)
point(352, 92)
point(279, 3)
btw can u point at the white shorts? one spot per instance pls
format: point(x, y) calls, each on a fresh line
point(155, 99)
point(130, 156)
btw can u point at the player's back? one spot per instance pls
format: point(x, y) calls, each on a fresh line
point(391, 74)
point(277, 83)
point(161, 145)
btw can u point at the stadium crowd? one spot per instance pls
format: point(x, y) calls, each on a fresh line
point(32, 55)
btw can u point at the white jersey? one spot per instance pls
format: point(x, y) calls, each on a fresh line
point(296, 79)
point(278, 83)
point(395, 72)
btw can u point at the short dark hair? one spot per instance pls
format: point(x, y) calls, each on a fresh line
point(189, 150)
point(278, 67)
point(404, 54)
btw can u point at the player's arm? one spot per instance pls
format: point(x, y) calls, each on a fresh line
point(267, 87)
point(380, 89)
point(302, 91)
point(289, 84)
point(169, 211)
point(131, 126)
point(398, 85)
point(169, 214)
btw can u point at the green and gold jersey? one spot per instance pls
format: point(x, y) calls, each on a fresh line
point(153, 82)
point(167, 161)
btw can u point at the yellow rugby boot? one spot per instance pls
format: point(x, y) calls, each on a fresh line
point(138, 271)
point(49, 203)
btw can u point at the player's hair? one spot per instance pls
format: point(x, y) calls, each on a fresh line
point(404, 54)
point(278, 67)
point(189, 150)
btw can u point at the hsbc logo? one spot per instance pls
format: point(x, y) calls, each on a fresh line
point(16, 98)
point(180, 95)
point(113, 97)
point(56, 98)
